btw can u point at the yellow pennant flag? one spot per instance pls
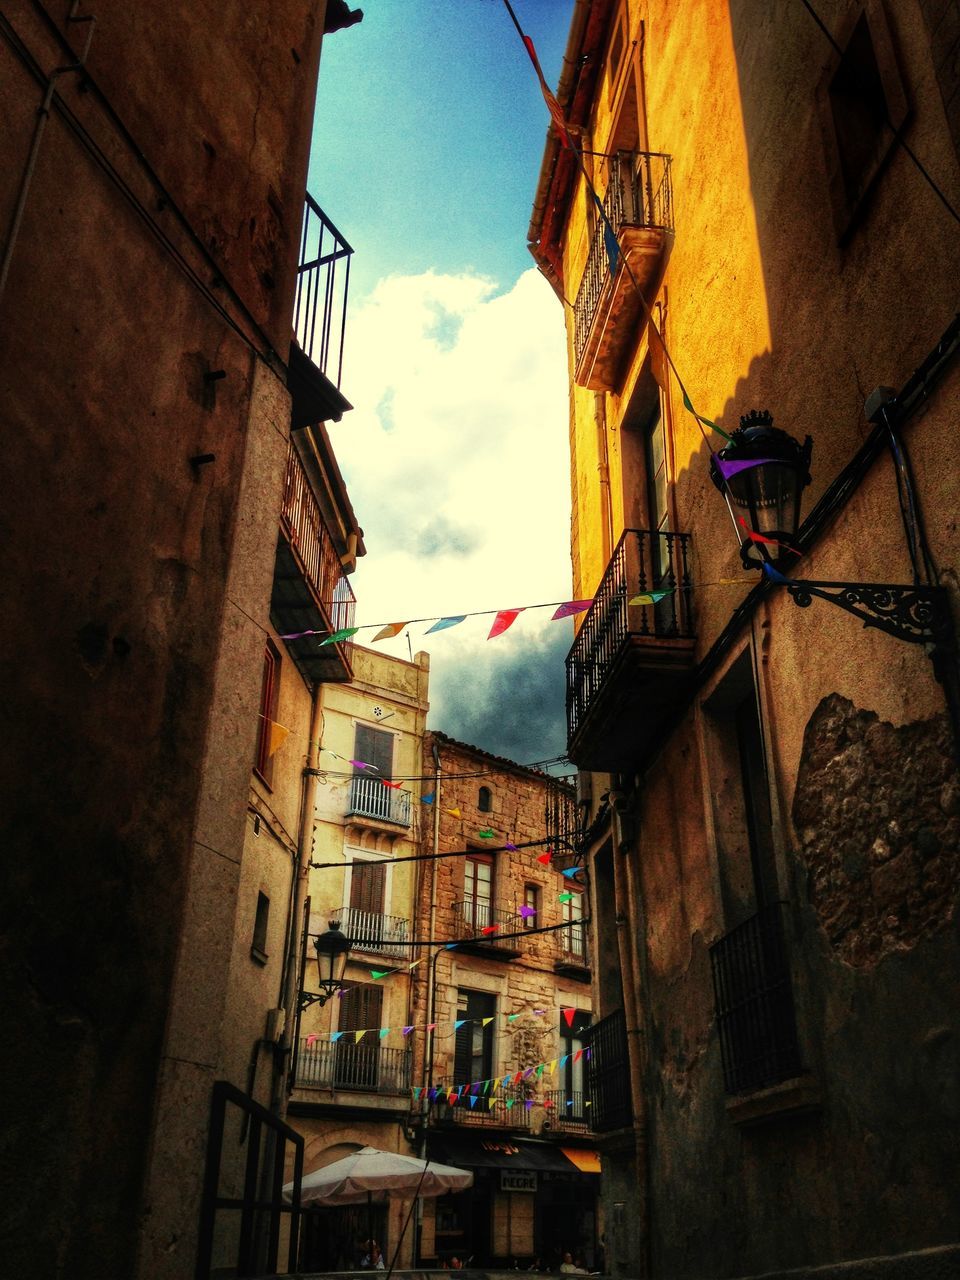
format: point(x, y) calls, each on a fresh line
point(415, 963)
point(493, 1087)
point(553, 1066)
point(360, 1034)
point(278, 736)
point(453, 812)
point(485, 1022)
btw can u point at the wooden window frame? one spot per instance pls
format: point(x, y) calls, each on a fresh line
point(269, 700)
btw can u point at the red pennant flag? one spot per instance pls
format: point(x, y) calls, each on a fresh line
point(545, 857)
point(396, 785)
point(503, 621)
point(490, 928)
point(568, 1016)
point(576, 1056)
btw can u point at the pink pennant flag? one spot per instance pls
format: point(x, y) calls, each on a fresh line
point(390, 630)
point(503, 621)
point(570, 608)
point(311, 1040)
point(431, 1026)
point(568, 1016)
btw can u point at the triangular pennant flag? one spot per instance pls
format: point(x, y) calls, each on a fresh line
point(518, 1077)
point(417, 1090)
point(485, 1022)
point(413, 964)
point(525, 913)
point(548, 1102)
point(568, 1016)
point(564, 1060)
point(405, 1030)
point(494, 1086)
point(728, 469)
point(343, 634)
point(503, 621)
point(553, 1066)
point(510, 1102)
point(768, 542)
point(449, 946)
point(706, 421)
point(488, 929)
point(570, 872)
point(650, 597)
point(511, 847)
point(444, 623)
point(459, 1023)
point(512, 1017)
point(553, 106)
point(454, 813)
point(452, 1098)
point(564, 897)
point(774, 574)
point(431, 1026)
point(569, 1102)
point(586, 1053)
point(486, 834)
point(278, 736)
point(360, 1034)
point(311, 1040)
point(390, 630)
point(538, 1013)
point(395, 785)
point(473, 1100)
point(528, 1103)
point(571, 607)
point(540, 1066)
point(360, 764)
point(486, 1085)
point(577, 1056)
point(384, 1032)
point(335, 1036)
point(427, 799)
point(379, 973)
point(545, 857)
point(506, 1080)
point(528, 1073)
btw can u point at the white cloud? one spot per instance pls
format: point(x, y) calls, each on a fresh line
point(456, 460)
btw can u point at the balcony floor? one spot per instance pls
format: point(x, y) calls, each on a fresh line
point(293, 608)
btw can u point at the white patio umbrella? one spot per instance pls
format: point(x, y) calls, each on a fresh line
point(373, 1176)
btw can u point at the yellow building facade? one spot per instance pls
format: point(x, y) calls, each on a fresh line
point(773, 791)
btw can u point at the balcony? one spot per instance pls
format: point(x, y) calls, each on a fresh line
point(370, 798)
point(630, 665)
point(566, 1110)
point(607, 313)
point(754, 1002)
point(572, 959)
point(375, 934)
point(315, 365)
point(506, 1110)
point(561, 824)
point(364, 1068)
point(311, 592)
point(608, 1073)
point(468, 920)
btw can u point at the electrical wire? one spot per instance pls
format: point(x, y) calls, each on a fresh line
point(454, 853)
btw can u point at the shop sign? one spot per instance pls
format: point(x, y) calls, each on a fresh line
point(518, 1180)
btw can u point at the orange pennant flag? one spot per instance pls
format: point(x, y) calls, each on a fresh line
point(278, 736)
point(390, 630)
point(455, 813)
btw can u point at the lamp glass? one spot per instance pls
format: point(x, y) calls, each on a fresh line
point(332, 948)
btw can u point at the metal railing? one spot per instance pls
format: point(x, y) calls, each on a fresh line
point(507, 1109)
point(639, 194)
point(366, 1068)
point(375, 933)
point(608, 1073)
point(566, 1110)
point(370, 798)
point(310, 540)
point(471, 917)
point(572, 943)
point(754, 1001)
point(320, 307)
point(644, 561)
point(561, 823)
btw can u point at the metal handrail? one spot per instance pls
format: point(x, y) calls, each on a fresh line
point(310, 540)
point(374, 933)
point(371, 798)
point(367, 1068)
point(320, 306)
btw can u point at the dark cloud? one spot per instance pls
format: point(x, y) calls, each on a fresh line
point(511, 702)
point(441, 537)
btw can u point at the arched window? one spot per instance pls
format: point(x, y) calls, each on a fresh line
point(485, 800)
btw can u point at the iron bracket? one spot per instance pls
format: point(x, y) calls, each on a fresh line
point(919, 615)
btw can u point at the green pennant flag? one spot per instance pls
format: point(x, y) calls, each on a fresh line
point(343, 634)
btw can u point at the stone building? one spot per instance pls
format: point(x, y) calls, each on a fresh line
point(166, 373)
point(352, 1073)
point(500, 1077)
point(774, 803)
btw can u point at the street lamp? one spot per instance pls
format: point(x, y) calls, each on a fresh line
point(761, 474)
point(331, 948)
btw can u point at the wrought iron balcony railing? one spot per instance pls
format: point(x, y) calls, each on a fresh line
point(374, 933)
point(643, 561)
point(471, 917)
point(370, 798)
point(310, 540)
point(367, 1068)
point(561, 823)
point(754, 1001)
point(608, 1073)
point(639, 194)
point(323, 281)
point(566, 1110)
point(507, 1109)
point(572, 944)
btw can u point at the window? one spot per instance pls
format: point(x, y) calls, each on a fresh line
point(357, 1066)
point(862, 103)
point(473, 1048)
point(572, 937)
point(531, 899)
point(571, 1037)
point(485, 800)
point(269, 697)
point(367, 894)
point(477, 891)
point(374, 747)
point(258, 948)
point(618, 44)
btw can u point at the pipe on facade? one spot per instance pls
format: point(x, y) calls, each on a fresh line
point(625, 892)
point(603, 469)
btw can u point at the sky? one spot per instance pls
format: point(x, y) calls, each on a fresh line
point(429, 133)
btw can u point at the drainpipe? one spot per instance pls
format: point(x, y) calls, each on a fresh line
point(43, 115)
point(431, 984)
point(625, 892)
point(301, 879)
point(603, 468)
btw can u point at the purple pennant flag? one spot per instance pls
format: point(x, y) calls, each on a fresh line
point(528, 1103)
point(728, 469)
point(528, 1072)
point(511, 847)
point(297, 635)
point(571, 607)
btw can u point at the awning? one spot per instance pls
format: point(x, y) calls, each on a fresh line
point(490, 1151)
point(587, 1161)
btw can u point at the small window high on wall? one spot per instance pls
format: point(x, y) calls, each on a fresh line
point(269, 698)
point(485, 800)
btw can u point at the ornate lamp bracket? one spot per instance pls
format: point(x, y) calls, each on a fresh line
point(307, 998)
point(919, 615)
